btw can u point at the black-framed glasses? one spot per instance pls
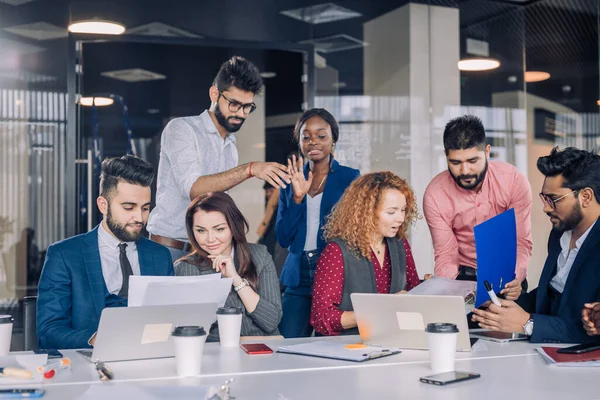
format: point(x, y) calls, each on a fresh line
point(552, 202)
point(234, 106)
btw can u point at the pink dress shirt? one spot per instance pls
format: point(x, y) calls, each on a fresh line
point(452, 212)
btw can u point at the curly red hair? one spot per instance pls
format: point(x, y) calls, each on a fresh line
point(354, 218)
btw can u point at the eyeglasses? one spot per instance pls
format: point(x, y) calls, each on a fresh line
point(234, 106)
point(552, 202)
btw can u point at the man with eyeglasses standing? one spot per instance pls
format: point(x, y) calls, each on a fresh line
point(472, 191)
point(570, 280)
point(198, 154)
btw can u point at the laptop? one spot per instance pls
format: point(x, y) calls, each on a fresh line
point(400, 320)
point(137, 333)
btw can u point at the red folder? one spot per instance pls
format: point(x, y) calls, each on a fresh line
point(567, 358)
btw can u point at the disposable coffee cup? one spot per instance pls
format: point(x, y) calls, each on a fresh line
point(441, 338)
point(230, 325)
point(6, 325)
point(189, 345)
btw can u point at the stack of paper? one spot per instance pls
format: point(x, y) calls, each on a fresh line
point(550, 354)
point(173, 290)
point(440, 286)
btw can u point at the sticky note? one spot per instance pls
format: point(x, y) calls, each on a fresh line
point(355, 346)
point(156, 333)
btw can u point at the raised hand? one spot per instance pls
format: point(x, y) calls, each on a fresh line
point(300, 185)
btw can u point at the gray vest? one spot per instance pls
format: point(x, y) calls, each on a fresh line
point(359, 276)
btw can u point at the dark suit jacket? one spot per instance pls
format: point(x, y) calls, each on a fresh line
point(72, 291)
point(290, 228)
point(582, 286)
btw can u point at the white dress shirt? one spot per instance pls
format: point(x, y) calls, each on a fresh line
point(313, 220)
point(190, 147)
point(109, 257)
point(566, 258)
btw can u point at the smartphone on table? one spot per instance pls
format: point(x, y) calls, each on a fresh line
point(579, 349)
point(256, 348)
point(21, 393)
point(449, 377)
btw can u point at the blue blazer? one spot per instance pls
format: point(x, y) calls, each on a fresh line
point(72, 291)
point(290, 228)
point(582, 286)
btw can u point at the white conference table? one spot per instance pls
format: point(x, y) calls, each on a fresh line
point(508, 370)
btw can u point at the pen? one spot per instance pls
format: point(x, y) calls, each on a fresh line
point(16, 372)
point(491, 293)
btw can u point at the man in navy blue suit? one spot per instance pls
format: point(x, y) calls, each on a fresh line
point(84, 274)
point(571, 275)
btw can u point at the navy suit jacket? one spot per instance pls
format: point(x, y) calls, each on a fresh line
point(72, 291)
point(582, 286)
point(290, 228)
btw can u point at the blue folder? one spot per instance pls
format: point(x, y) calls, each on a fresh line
point(496, 247)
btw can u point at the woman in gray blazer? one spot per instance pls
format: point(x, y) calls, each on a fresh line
point(217, 233)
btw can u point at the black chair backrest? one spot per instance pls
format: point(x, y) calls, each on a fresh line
point(30, 338)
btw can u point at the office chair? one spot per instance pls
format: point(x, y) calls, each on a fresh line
point(30, 338)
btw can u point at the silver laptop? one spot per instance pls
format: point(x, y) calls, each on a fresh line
point(400, 320)
point(136, 333)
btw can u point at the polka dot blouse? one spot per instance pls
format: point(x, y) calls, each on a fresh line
point(329, 284)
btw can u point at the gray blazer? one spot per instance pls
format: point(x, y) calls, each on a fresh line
point(265, 318)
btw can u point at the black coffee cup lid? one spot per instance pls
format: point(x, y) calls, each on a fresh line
point(229, 311)
point(6, 319)
point(441, 327)
point(189, 331)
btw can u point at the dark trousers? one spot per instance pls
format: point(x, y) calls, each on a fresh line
point(296, 302)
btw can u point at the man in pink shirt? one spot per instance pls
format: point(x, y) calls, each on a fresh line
point(472, 191)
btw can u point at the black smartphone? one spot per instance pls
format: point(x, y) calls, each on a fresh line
point(448, 377)
point(579, 349)
point(52, 353)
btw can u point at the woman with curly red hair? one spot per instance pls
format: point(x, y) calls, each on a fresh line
point(367, 250)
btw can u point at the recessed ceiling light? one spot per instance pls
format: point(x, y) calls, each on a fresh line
point(536, 76)
point(99, 101)
point(268, 74)
point(97, 27)
point(478, 64)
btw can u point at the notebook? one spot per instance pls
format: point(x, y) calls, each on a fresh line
point(349, 352)
point(591, 359)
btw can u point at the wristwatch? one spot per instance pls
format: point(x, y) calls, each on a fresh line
point(528, 327)
point(241, 285)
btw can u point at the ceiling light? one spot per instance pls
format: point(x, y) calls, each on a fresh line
point(536, 76)
point(478, 64)
point(97, 27)
point(99, 101)
point(598, 102)
point(268, 74)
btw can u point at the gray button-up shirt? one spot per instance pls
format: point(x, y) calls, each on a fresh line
point(190, 147)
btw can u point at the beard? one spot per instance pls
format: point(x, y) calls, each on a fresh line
point(224, 121)
point(120, 230)
point(570, 222)
point(478, 178)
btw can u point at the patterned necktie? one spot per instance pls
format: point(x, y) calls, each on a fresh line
point(125, 270)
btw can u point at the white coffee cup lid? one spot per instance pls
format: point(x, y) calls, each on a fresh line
point(6, 319)
point(188, 331)
point(229, 311)
point(441, 327)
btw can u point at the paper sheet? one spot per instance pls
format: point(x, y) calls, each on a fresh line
point(27, 361)
point(138, 285)
point(203, 291)
point(441, 286)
